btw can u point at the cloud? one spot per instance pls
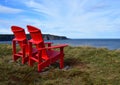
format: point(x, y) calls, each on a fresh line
point(5, 9)
point(71, 18)
point(78, 16)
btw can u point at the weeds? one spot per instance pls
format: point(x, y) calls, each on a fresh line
point(87, 66)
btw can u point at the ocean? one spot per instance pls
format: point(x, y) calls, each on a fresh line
point(105, 43)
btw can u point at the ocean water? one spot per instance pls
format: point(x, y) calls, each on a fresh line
point(106, 43)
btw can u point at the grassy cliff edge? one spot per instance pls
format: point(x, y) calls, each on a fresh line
point(83, 66)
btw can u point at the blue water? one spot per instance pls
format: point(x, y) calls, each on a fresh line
point(106, 43)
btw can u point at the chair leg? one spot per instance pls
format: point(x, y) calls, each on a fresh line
point(15, 57)
point(30, 62)
point(42, 65)
point(24, 60)
point(61, 61)
point(39, 68)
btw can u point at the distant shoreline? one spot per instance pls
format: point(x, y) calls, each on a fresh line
point(9, 37)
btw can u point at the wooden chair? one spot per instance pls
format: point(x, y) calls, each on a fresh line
point(20, 38)
point(45, 55)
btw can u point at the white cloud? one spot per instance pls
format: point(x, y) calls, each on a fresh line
point(5, 9)
point(72, 18)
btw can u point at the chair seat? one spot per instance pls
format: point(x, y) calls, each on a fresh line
point(51, 54)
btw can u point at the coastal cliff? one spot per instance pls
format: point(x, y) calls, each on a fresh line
point(9, 37)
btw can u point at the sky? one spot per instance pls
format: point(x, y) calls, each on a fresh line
point(70, 18)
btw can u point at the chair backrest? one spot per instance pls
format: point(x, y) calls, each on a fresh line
point(36, 36)
point(20, 35)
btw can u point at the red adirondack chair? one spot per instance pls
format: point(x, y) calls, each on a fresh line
point(46, 55)
point(21, 40)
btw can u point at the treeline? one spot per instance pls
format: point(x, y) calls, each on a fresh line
point(9, 37)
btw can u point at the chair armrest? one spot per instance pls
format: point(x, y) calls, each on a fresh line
point(31, 41)
point(52, 47)
point(48, 42)
point(18, 39)
point(24, 45)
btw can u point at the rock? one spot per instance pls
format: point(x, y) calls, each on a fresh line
point(66, 68)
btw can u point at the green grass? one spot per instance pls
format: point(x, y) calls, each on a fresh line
point(87, 66)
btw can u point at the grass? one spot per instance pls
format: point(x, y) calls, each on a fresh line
point(87, 66)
